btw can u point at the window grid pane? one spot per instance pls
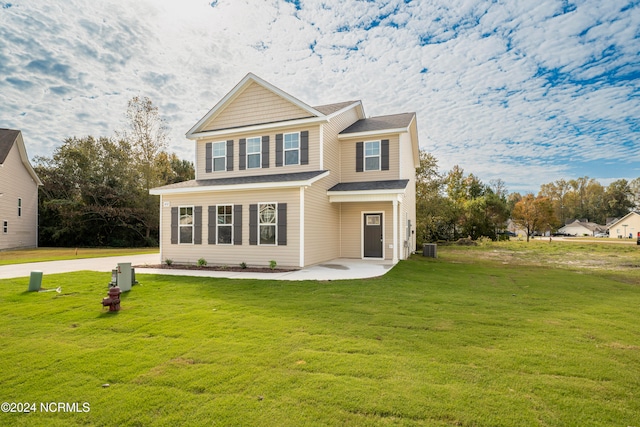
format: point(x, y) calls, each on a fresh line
point(253, 145)
point(186, 225)
point(267, 223)
point(291, 141)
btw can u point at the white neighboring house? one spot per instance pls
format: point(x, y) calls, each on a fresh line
point(625, 226)
point(582, 228)
point(18, 194)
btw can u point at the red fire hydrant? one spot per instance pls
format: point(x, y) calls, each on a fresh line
point(113, 300)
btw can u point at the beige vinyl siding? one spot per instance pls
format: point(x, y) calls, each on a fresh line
point(348, 161)
point(16, 182)
point(255, 105)
point(321, 224)
point(314, 154)
point(322, 219)
point(407, 171)
point(331, 143)
point(352, 227)
point(233, 255)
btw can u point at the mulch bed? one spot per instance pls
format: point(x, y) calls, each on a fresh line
point(217, 268)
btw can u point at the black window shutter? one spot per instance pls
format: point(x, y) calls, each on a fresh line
point(384, 158)
point(282, 224)
point(242, 161)
point(304, 147)
point(359, 156)
point(174, 226)
point(208, 157)
point(253, 224)
point(197, 225)
point(230, 155)
point(237, 224)
point(211, 238)
point(279, 150)
point(265, 151)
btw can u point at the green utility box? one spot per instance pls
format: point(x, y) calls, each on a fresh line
point(35, 281)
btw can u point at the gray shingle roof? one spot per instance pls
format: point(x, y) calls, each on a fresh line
point(254, 179)
point(393, 121)
point(7, 138)
point(332, 108)
point(397, 184)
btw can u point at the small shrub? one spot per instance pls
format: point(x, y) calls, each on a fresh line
point(168, 261)
point(243, 265)
point(272, 264)
point(202, 262)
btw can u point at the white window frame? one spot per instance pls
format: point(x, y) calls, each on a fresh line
point(218, 224)
point(5, 227)
point(372, 156)
point(253, 153)
point(181, 226)
point(285, 149)
point(223, 156)
point(268, 224)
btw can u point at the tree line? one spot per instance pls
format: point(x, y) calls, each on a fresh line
point(454, 205)
point(96, 189)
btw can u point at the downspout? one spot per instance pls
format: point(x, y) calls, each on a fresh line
point(301, 227)
point(395, 231)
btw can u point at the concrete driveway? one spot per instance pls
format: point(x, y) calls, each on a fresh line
point(338, 269)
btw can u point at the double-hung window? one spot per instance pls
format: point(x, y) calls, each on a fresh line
point(372, 156)
point(224, 224)
point(5, 227)
point(19, 207)
point(292, 148)
point(254, 147)
point(219, 156)
point(267, 221)
point(185, 224)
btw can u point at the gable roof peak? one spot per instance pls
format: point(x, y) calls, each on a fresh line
point(239, 89)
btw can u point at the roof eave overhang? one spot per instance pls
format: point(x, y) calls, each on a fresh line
point(239, 187)
point(256, 128)
point(366, 196)
point(371, 133)
point(22, 150)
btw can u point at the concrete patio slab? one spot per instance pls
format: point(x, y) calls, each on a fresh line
point(337, 269)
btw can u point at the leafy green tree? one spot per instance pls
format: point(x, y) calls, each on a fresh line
point(618, 199)
point(432, 208)
point(533, 214)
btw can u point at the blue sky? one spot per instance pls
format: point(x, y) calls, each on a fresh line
point(527, 91)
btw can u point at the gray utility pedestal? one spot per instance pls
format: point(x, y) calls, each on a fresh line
point(35, 281)
point(124, 276)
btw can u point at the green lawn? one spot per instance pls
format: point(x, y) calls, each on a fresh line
point(468, 339)
point(58, 254)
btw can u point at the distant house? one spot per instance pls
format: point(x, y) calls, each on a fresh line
point(18, 194)
point(278, 179)
point(582, 228)
point(625, 226)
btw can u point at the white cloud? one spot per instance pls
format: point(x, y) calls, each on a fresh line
point(527, 91)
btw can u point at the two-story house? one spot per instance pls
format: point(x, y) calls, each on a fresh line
point(18, 194)
point(277, 179)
